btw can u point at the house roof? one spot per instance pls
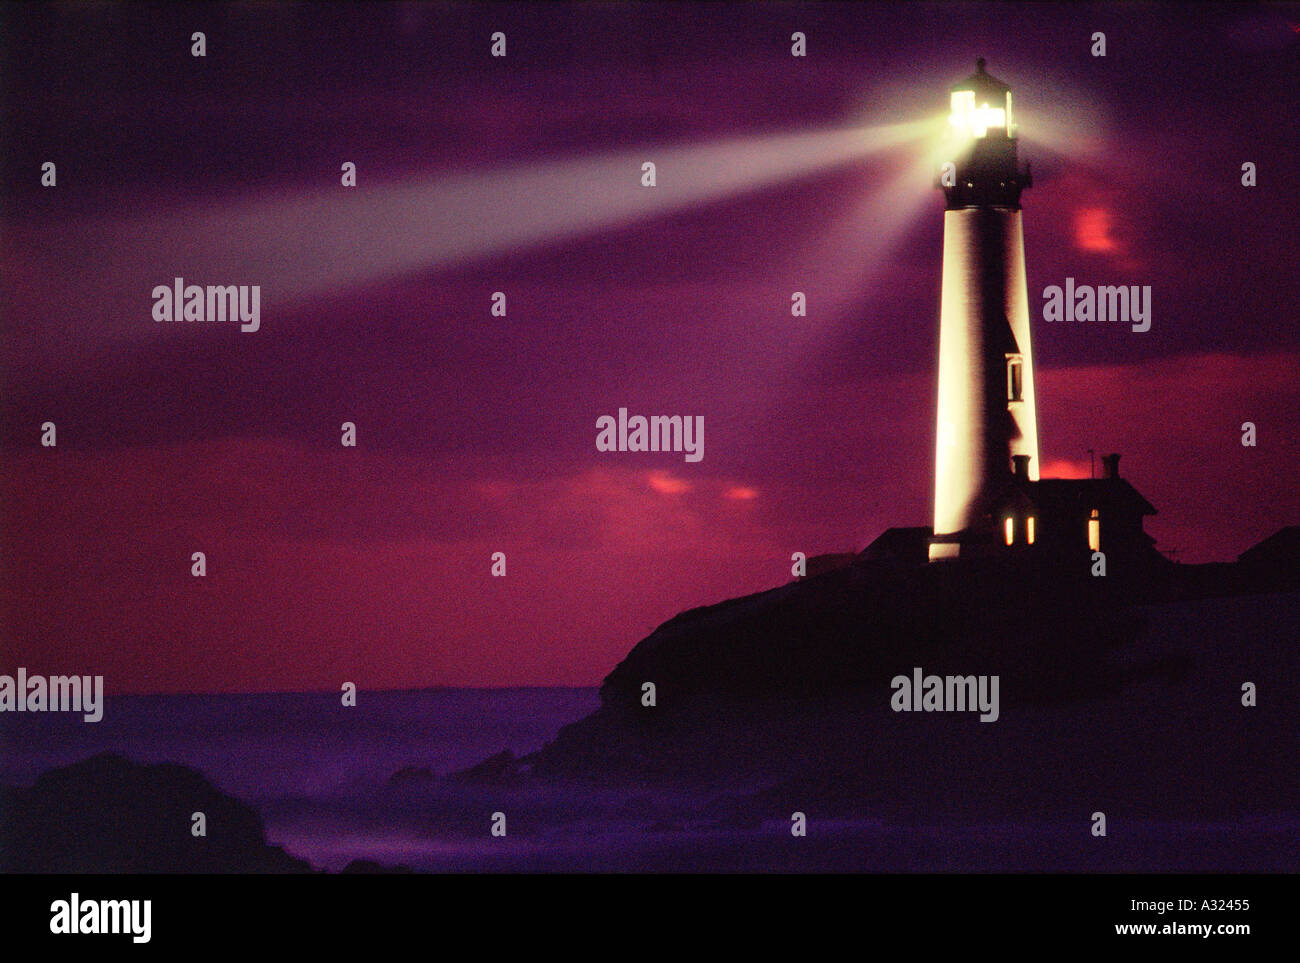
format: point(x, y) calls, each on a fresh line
point(1282, 545)
point(900, 542)
point(1068, 494)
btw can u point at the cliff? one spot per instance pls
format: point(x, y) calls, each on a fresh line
point(1119, 691)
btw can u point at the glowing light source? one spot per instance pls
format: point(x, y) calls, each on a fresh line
point(974, 121)
point(1029, 529)
point(1010, 529)
point(1094, 531)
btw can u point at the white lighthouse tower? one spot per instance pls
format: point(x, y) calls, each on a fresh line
point(986, 413)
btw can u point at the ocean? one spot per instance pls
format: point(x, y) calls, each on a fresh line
point(316, 771)
point(318, 774)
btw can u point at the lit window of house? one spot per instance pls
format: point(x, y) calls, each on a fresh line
point(1029, 529)
point(1094, 531)
point(1010, 527)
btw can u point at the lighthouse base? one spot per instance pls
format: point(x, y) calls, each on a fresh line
point(941, 550)
point(966, 544)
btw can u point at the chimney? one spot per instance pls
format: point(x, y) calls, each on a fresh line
point(1020, 466)
point(1110, 466)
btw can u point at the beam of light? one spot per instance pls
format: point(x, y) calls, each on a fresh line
point(307, 244)
point(1080, 136)
point(849, 260)
point(850, 267)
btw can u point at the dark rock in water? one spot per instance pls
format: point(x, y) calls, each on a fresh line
point(503, 769)
point(107, 814)
point(409, 775)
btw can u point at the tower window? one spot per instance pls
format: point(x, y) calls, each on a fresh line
point(1010, 527)
point(1015, 378)
point(1094, 531)
point(1029, 529)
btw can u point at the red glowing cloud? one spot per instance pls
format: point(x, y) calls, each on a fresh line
point(1065, 468)
point(1092, 231)
point(666, 484)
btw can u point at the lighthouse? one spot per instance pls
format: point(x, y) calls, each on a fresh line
point(987, 428)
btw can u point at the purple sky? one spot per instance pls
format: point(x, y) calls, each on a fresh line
point(476, 434)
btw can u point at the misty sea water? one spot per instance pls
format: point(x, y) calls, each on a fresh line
point(310, 766)
point(319, 775)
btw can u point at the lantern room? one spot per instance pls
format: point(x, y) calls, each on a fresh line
point(981, 106)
